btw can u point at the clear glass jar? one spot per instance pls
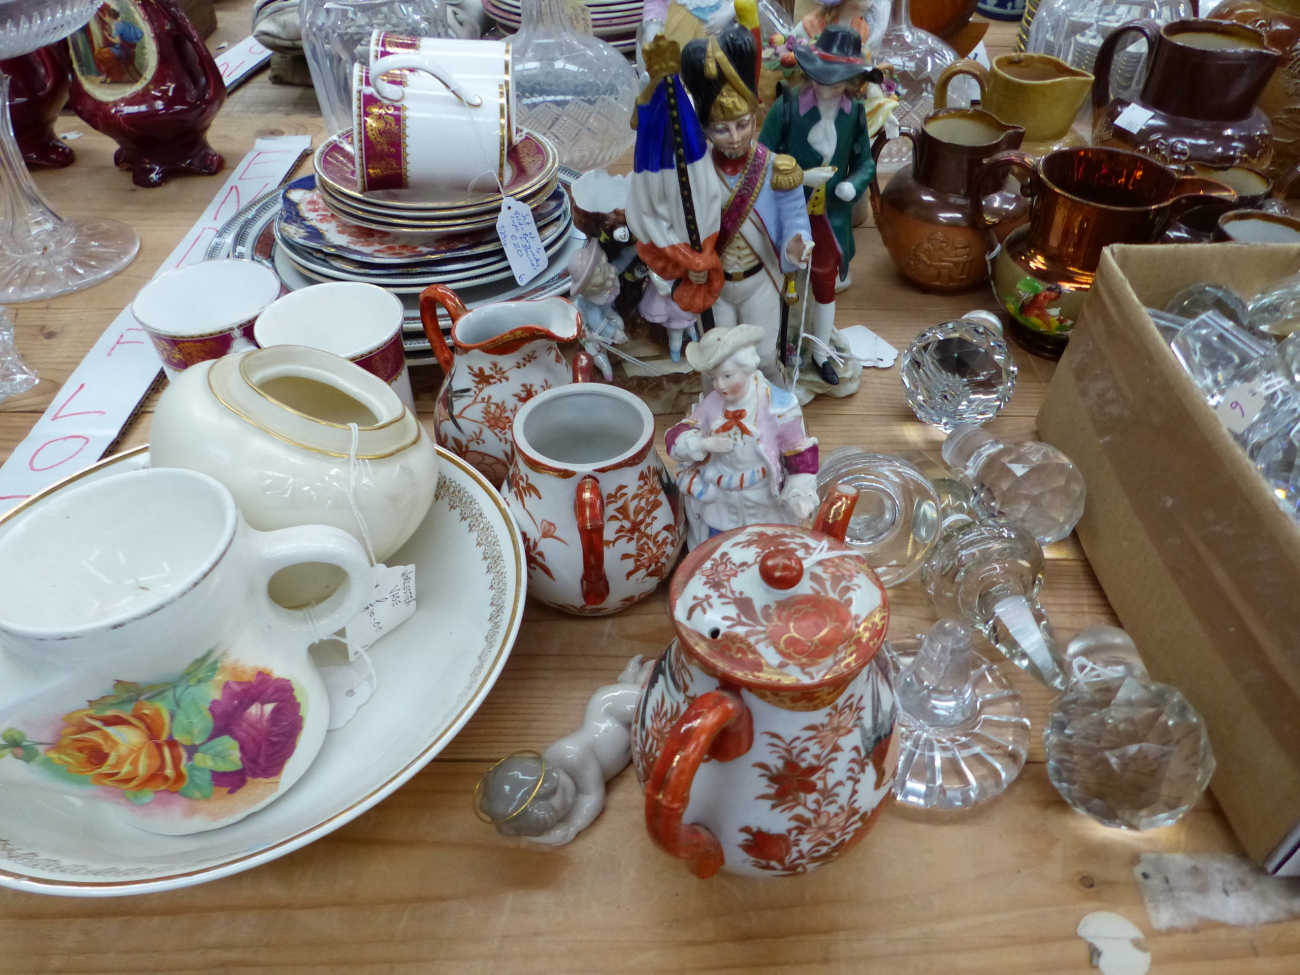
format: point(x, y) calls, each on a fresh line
point(336, 35)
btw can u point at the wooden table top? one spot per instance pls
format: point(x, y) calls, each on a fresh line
point(417, 884)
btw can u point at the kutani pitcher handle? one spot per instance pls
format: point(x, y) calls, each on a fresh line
point(1149, 29)
point(836, 511)
point(1000, 165)
point(716, 724)
point(877, 147)
point(967, 67)
point(430, 298)
point(390, 92)
point(589, 507)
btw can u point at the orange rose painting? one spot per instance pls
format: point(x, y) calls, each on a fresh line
point(125, 751)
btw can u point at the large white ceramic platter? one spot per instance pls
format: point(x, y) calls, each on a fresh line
point(433, 672)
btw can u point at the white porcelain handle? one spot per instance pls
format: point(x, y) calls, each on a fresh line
point(317, 543)
point(390, 92)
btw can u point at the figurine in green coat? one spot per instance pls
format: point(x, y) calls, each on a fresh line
point(824, 125)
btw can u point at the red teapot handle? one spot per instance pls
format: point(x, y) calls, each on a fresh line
point(430, 298)
point(589, 508)
point(1149, 29)
point(716, 724)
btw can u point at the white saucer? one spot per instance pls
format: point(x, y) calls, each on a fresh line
point(434, 671)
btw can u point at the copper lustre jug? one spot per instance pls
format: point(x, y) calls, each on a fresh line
point(1197, 103)
point(924, 212)
point(1083, 200)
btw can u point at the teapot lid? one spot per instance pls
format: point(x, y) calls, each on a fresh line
point(777, 607)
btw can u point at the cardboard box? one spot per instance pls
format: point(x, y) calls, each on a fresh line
point(1198, 561)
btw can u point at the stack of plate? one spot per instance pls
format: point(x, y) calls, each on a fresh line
point(613, 21)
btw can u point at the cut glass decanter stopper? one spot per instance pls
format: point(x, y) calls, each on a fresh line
point(1211, 349)
point(959, 371)
point(989, 575)
point(916, 58)
point(1030, 484)
point(896, 521)
point(963, 733)
point(16, 376)
point(1127, 751)
point(1196, 299)
point(1276, 312)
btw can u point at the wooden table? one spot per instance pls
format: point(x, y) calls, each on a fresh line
point(418, 885)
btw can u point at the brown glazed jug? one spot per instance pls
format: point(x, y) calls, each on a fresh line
point(1197, 103)
point(1083, 200)
point(924, 212)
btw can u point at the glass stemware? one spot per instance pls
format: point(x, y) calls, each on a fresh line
point(42, 255)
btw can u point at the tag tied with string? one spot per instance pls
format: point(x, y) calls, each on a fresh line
point(518, 232)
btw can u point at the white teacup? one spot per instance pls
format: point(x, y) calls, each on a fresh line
point(205, 310)
point(359, 322)
point(142, 662)
point(438, 115)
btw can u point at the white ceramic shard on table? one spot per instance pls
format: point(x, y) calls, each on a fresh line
point(433, 673)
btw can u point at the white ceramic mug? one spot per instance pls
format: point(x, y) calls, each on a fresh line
point(142, 662)
point(203, 311)
point(437, 114)
point(359, 322)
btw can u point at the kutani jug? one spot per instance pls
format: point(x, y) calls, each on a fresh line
point(1197, 103)
point(1082, 200)
point(924, 212)
point(501, 355)
point(764, 736)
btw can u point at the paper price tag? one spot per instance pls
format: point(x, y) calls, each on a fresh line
point(1240, 405)
point(518, 232)
point(579, 16)
point(1133, 118)
point(392, 604)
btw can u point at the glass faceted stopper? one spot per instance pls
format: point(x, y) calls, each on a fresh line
point(958, 372)
point(1102, 652)
point(988, 575)
point(963, 731)
point(1212, 349)
point(1030, 484)
point(895, 523)
point(1127, 751)
point(1276, 312)
point(1196, 299)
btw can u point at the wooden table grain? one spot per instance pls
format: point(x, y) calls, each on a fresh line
point(418, 885)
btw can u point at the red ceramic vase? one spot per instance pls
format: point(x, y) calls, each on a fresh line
point(38, 88)
point(144, 77)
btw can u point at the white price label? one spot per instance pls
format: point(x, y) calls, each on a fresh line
point(1240, 405)
point(579, 17)
point(518, 232)
point(392, 603)
point(1134, 117)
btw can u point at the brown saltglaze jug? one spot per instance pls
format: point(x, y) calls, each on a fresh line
point(924, 212)
point(1083, 200)
point(1197, 103)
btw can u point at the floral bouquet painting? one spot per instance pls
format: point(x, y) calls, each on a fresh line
point(211, 743)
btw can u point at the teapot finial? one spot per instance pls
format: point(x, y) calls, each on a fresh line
point(781, 568)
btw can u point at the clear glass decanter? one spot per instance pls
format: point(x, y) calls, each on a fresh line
point(963, 732)
point(989, 574)
point(1073, 30)
point(917, 58)
point(1029, 484)
point(895, 523)
point(336, 35)
point(1121, 748)
point(42, 255)
point(574, 89)
point(958, 371)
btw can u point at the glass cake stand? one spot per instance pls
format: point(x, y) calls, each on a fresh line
point(41, 254)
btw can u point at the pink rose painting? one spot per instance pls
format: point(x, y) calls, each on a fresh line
point(264, 717)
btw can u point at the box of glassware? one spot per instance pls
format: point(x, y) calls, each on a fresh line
point(1187, 537)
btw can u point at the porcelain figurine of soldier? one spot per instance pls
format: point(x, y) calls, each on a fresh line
point(745, 456)
point(824, 125)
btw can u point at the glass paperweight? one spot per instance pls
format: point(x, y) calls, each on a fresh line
point(336, 35)
point(1121, 748)
point(574, 89)
point(1197, 299)
point(989, 575)
point(43, 255)
point(916, 58)
point(895, 523)
point(1272, 442)
point(963, 733)
point(956, 501)
point(958, 371)
point(16, 376)
point(1276, 312)
point(1211, 349)
point(1029, 484)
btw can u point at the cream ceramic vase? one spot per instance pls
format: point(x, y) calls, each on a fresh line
point(276, 427)
point(142, 663)
point(599, 515)
point(764, 737)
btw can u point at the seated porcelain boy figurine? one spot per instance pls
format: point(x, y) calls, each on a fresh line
point(745, 456)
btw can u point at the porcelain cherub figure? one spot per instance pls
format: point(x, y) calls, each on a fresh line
point(553, 797)
point(594, 286)
point(745, 456)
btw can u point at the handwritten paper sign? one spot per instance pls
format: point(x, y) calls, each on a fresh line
point(1240, 405)
point(238, 62)
point(104, 391)
point(518, 232)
